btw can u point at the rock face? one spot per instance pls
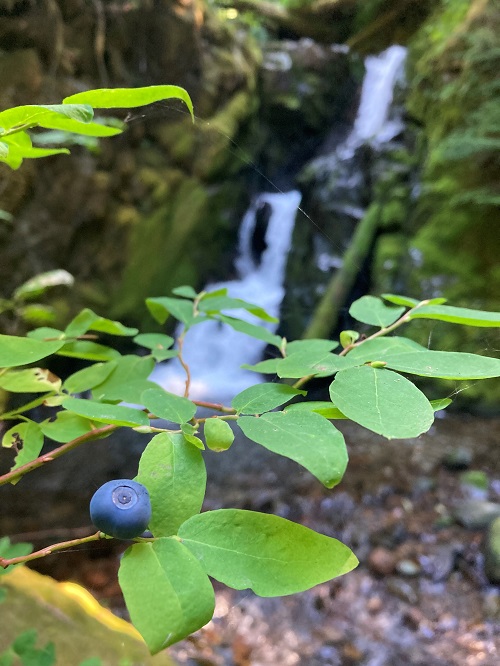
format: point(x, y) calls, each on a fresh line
point(134, 218)
point(68, 616)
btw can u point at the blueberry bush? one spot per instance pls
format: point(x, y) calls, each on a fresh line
point(165, 571)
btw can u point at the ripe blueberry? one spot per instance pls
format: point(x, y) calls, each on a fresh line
point(121, 508)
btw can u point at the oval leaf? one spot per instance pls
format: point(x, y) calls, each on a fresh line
point(446, 365)
point(373, 311)
point(66, 426)
point(305, 437)
point(167, 593)
point(266, 553)
point(263, 397)
point(320, 364)
point(16, 351)
point(252, 330)
point(326, 409)
point(86, 379)
point(218, 434)
point(32, 380)
point(27, 439)
point(127, 98)
point(174, 473)
point(382, 401)
point(168, 406)
point(104, 413)
point(455, 315)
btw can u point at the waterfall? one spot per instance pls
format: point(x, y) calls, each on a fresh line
point(374, 123)
point(214, 351)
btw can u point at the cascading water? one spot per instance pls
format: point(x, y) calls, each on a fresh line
point(214, 351)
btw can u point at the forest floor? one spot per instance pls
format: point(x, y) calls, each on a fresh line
point(420, 596)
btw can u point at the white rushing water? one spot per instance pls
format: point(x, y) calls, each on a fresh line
point(374, 123)
point(214, 351)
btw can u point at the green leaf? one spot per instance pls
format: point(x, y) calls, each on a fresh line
point(27, 439)
point(89, 377)
point(104, 413)
point(218, 304)
point(373, 311)
point(174, 473)
point(455, 315)
point(267, 367)
point(9, 550)
point(218, 434)
point(168, 406)
point(443, 403)
point(32, 380)
point(382, 401)
point(166, 591)
point(348, 338)
point(270, 555)
point(87, 320)
point(305, 437)
point(310, 345)
point(375, 350)
point(36, 314)
point(158, 343)
point(39, 284)
point(128, 380)
point(66, 426)
point(326, 409)
point(37, 114)
point(406, 301)
point(88, 351)
point(127, 98)
point(16, 351)
point(185, 292)
point(252, 330)
point(189, 431)
point(446, 365)
point(263, 397)
point(321, 364)
point(179, 308)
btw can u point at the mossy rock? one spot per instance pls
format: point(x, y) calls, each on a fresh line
point(69, 616)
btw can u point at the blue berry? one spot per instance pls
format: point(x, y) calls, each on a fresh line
point(121, 508)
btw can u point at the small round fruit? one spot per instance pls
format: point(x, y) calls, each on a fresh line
point(121, 508)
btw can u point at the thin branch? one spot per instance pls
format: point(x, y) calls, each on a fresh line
point(43, 552)
point(404, 319)
point(215, 406)
point(16, 474)
point(180, 343)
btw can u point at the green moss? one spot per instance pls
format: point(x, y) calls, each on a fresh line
point(454, 63)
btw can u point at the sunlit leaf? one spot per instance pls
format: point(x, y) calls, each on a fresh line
point(104, 413)
point(126, 98)
point(373, 311)
point(303, 436)
point(32, 380)
point(218, 434)
point(167, 593)
point(382, 401)
point(266, 553)
point(455, 315)
point(263, 397)
point(174, 473)
point(168, 406)
point(16, 351)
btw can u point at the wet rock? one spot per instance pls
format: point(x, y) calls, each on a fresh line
point(457, 459)
point(408, 568)
point(492, 552)
point(476, 514)
point(441, 562)
point(413, 618)
point(381, 562)
point(403, 590)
